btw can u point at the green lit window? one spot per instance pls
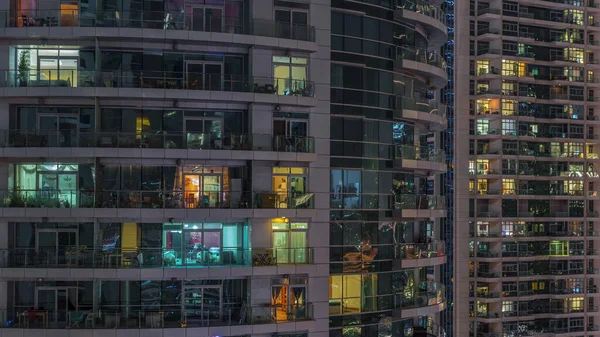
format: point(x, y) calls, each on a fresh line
point(559, 248)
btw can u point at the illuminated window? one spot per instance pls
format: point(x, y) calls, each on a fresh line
point(574, 304)
point(508, 229)
point(471, 186)
point(471, 167)
point(482, 186)
point(509, 127)
point(509, 68)
point(483, 67)
point(574, 16)
point(508, 186)
point(573, 187)
point(483, 166)
point(574, 54)
point(483, 126)
point(559, 248)
point(509, 307)
point(573, 73)
point(509, 107)
point(575, 150)
point(538, 285)
point(509, 88)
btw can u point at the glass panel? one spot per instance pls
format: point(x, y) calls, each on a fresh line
point(67, 189)
point(280, 300)
point(46, 300)
point(61, 305)
point(68, 131)
point(281, 245)
point(298, 128)
point(194, 75)
point(211, 191)
point(212, 302)
point(68, 72)
point(195, 133)
point(47, 248)
point(213, 129)
point(48, 126)
point(297, 302)
point(298, 246)
point(214, 18)
point(212, 242)
point(194, 247)
point(298, 185)
point(198, 19)
point(299, 23)
point(192, 190)
point(214, 78)
point(193, 307)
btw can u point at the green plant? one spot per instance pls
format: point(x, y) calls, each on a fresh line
point(17, 200)
point(23, 68)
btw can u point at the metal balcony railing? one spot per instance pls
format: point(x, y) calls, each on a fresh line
point(164, 20)
point(156, 140)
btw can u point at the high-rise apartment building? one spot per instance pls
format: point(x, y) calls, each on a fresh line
point(387, 253)
point(527, 174)
point(164, 168)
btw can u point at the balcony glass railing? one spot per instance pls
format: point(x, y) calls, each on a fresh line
point(421, 105)
point(423, 8)
point(175, 316)
point(163, 20)
point(146, 258)
point(421, 202)
point(420, 153)
point(153, 199)
point(422, 56)
point(156, 80)
point(427, 294)
point(156, 140)
point(410, 251)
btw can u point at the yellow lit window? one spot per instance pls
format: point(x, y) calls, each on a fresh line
point(559, 248)
point(482, 186)
point(575, 304)
point(483, 166)
point(471, 186)
point(509, 87)
point(574, 16)
point(509, 68)
point(573, 54)
point(509, 107)
point(483, 67)
point(471, 167)
point(508, 186)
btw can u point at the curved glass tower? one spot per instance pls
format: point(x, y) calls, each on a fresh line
point(386, 253)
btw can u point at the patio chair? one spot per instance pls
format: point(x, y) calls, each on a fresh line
point(76, 317)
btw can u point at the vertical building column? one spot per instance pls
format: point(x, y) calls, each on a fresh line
point(461, 168)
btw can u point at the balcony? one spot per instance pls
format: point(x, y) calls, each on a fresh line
point(427, 111)
point(180, 20)
point(149, 258)
point(414, 255)
point(420, 206)
point(168, 80)
point(420, 158)
point(426, 63)
point(423, 13)
point(155, 140)
point(429, 299)
point(115, 199)
point(169, 317)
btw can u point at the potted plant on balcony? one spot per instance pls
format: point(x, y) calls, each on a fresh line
point(23, 68)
